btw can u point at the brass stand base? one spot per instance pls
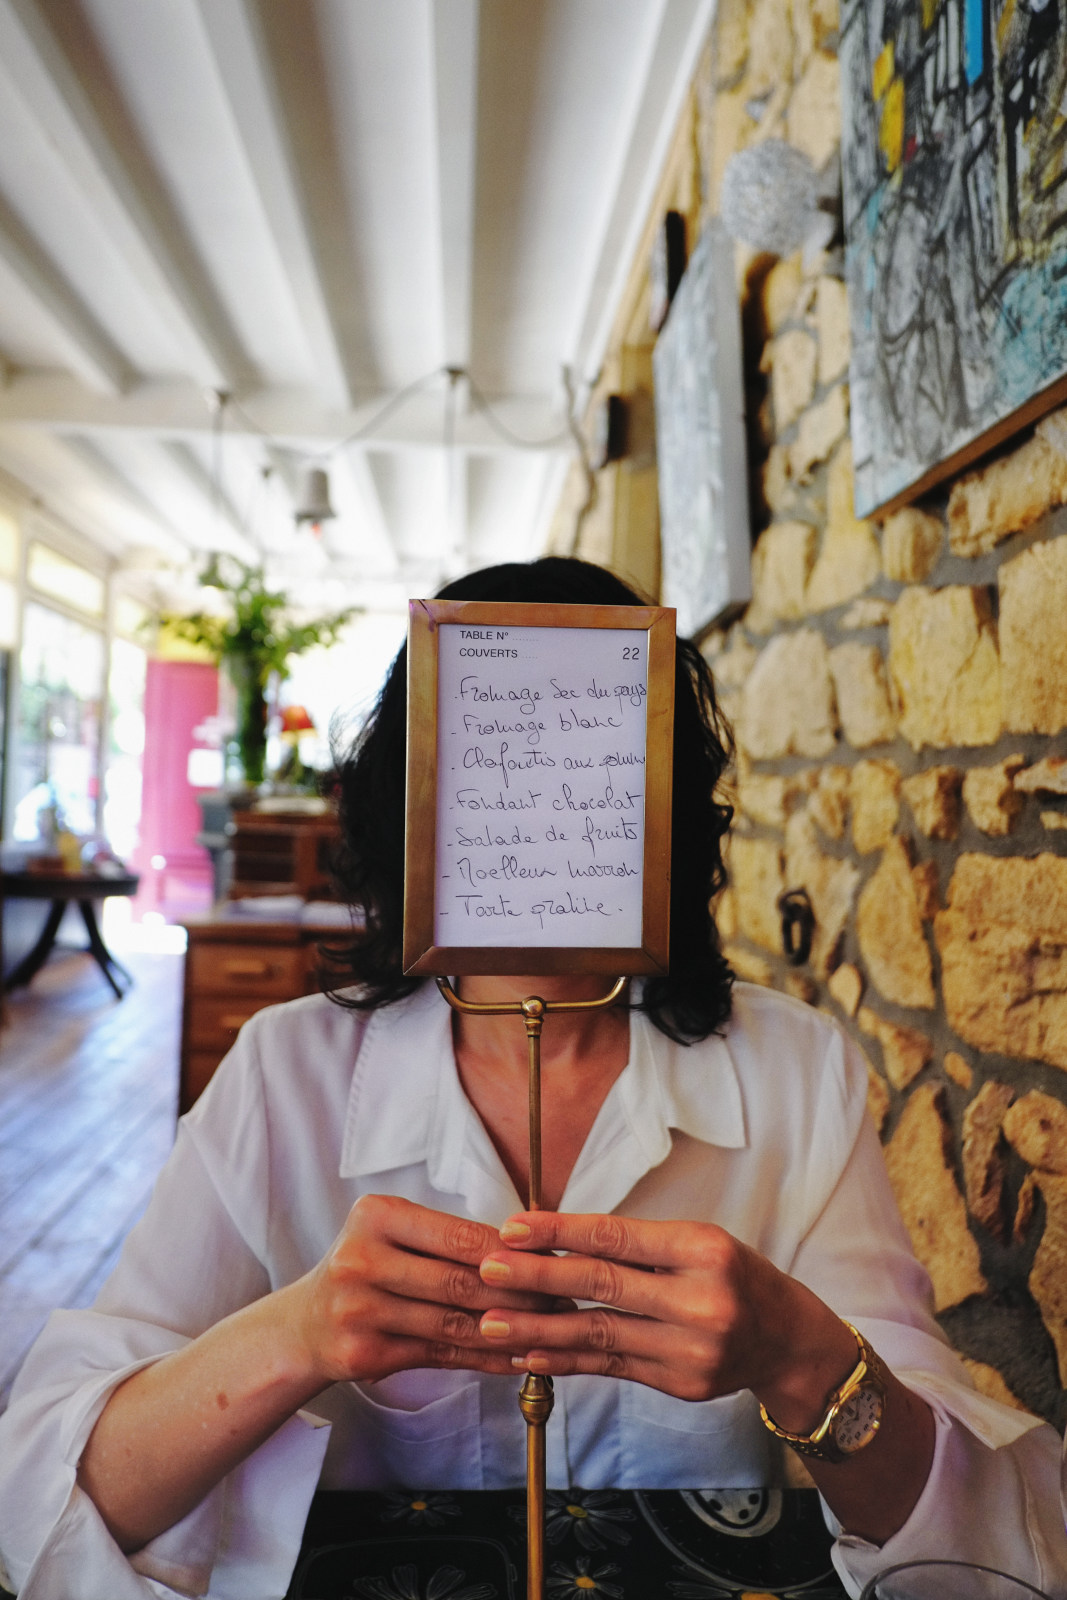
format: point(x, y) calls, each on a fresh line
point(536, 1398)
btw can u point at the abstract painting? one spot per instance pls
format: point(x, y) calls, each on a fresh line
point(700, 442)
point(954, 156)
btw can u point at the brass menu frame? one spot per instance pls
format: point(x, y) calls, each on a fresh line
point(421, 955)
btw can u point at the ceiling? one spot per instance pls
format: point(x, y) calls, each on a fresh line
point(313, 207)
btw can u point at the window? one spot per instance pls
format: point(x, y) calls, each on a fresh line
point(57, 759)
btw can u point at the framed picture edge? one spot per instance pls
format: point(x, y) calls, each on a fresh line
point(422, 956)
point(969, 454)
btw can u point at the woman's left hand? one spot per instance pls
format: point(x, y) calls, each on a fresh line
point(680, 1306)
point(686, 1308)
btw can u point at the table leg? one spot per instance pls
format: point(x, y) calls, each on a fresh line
point(101, 954)
point(35, 960)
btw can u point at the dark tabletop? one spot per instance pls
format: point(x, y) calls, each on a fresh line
point(642, 1545)
point(66, 885)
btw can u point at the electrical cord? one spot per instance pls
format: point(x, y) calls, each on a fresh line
point(396, 401)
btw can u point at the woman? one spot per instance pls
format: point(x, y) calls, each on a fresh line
point(338, 1239)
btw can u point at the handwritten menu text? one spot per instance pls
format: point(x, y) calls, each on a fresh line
point(540, 786)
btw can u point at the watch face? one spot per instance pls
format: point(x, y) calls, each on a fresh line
point(857, 1421)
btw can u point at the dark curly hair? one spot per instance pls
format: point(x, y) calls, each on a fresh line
point(693, 999)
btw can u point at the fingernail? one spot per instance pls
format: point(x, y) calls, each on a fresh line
point(519, 1362)
point(536, 1364)
point(491, 1328)
point(515, 1230)
point(495, 1271)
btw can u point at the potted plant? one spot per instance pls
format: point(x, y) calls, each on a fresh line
point(251, 643)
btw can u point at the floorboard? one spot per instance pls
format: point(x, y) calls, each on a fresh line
point(88, 1094)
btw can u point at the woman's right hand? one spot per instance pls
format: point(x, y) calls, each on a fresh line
point(400, 1288)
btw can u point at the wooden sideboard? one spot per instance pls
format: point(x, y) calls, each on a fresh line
point(234, 966)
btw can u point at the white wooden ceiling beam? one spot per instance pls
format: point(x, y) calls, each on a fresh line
point(682, 30)
point(373, 532)
point(86, 453)
point(239, 48)
point(217, 503)
point(86, 349)
point(288, 417)
point(455, 25)
point(137, 221)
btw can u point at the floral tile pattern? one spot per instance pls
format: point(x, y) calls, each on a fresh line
point(708, 1544)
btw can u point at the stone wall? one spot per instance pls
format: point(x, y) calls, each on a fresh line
point(899, 696)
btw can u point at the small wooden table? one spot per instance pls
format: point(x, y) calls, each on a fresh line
point(61, 888)
point(235, 965)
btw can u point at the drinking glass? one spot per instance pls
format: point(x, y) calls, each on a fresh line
point(947, 1580)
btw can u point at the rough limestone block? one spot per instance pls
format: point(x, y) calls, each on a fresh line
point(1033, 638)
point(905, 1051)
point(781, 290)
point(925, 877)
point(990, 797)
point(1047, 776)
point(732, 666)
point(781, 565)
point(830, 882)
point(724, 910)
point(829, 802)
point(761, 797)
point(749, 967)
point(771, 64)
point(848, 560)
point(832, 329)
point(756, 875)
point(772, 799)
point(934, 798)
point(878, 1097)
point(958, 1069)
point(1004, 497)
point(779, 490)
point(792, 360)
point(875, 796)
point(731, 40)
point(821, 426)
point(813, 120)
point(1003, 944)
point(945, 668)
point(845, 984)
point(1048, 1277)
point(988, 1381)
point(919, 1162)
point(1024, 1210)
point(983, 1156)
point(732, 127)
point(890, 932)
point(911, 544)
point(866, 613)
point(1036, 1126)
point(787, 703)
point(801, 987)
point(862, 694)
point(814, 24)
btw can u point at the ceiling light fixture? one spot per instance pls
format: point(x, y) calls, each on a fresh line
point(313, 502)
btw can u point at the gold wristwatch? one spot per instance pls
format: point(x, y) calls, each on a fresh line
point(853, 1412)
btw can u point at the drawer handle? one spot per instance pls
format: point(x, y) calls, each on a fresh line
point(235, 1020)
point(247, 969)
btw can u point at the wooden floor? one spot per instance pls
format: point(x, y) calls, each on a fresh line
point(88, 1090)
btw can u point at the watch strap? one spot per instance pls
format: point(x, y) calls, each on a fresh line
point(820, 1444)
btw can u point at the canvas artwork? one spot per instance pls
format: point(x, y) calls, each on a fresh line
point(700, 442)
point(954, 150)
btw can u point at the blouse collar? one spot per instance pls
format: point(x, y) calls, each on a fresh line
point(664, 1088)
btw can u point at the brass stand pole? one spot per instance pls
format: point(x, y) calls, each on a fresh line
point(536, 1398)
